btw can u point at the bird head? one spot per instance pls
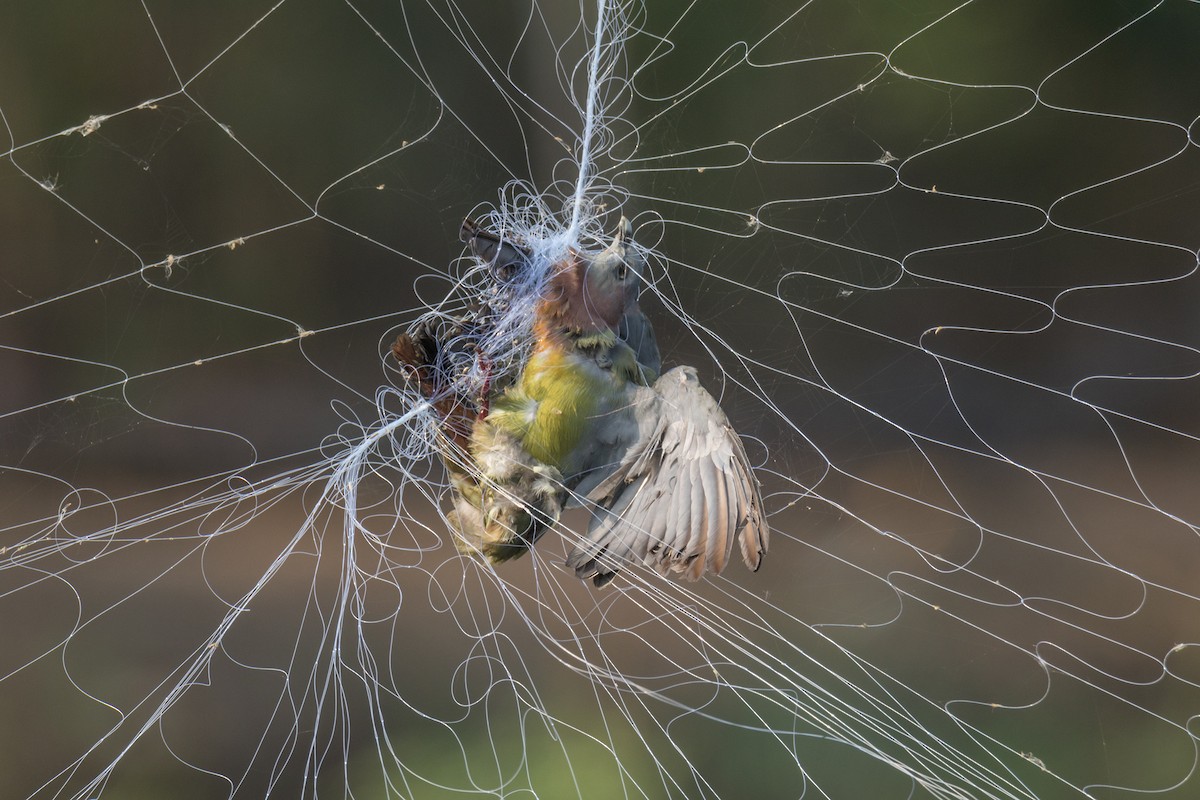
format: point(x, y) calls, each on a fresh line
point(590, 293)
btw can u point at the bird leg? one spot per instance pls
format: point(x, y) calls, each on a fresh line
point(519, 498)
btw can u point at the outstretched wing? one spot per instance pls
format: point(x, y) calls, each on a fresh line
point(680, 494)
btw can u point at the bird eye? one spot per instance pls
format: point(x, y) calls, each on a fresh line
point(622, 271)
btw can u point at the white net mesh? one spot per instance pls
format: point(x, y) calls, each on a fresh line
point(937, 260)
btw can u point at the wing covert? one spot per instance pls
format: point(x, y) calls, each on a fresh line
point(679, 496)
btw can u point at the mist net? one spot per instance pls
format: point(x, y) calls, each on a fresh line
point(937, 261)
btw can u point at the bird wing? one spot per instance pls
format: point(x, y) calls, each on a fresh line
point(635, 330)
point(680, 494)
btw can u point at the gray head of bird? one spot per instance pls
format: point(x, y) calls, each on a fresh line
point(591, 291)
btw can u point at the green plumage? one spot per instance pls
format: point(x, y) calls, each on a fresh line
point(550, 409)
point(588, 421)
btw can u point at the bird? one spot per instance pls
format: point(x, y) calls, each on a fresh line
point(589, 422)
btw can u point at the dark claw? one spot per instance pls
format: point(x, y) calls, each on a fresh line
point(505, 257)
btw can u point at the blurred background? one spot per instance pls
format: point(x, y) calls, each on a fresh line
point(937, 259)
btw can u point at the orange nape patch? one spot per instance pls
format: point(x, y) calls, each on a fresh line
point(571, 303)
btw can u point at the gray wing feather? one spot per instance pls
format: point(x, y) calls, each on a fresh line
point(679, 496)
point(637, 332)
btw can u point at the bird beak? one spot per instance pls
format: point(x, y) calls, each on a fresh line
point(624, 231)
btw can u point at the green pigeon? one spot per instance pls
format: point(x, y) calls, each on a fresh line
point(588, 422)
